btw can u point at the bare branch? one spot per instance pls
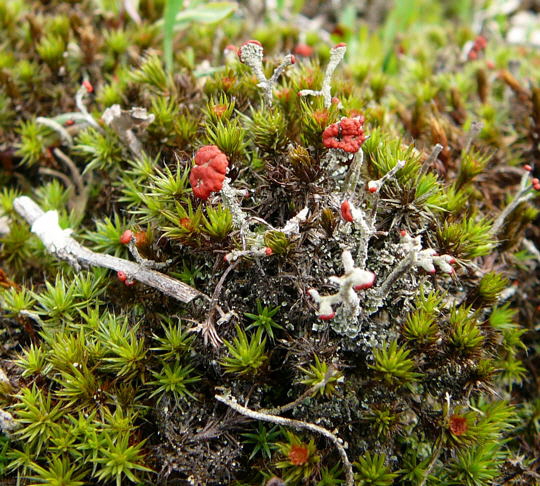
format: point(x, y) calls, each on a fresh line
point(295, 424)
point(59, 242)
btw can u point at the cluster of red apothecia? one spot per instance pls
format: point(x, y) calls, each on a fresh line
point(478, 46)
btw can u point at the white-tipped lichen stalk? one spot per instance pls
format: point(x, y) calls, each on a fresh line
point(353, 279)
point(336, 56)
point(251, 53)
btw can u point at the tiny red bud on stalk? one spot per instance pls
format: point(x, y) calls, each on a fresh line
point(69, 122)
point(473, 55)
point(490, 64)
point(364, 286)
point(121, 276)
point(335, 100)
point(403, 233)
point(327, 317)
point(293, 59)
point(129, 283)
point(341, 44)
point(372, 189)
point(346, 211)
point(535, 181)
point(88, 86)
point(268, 251)
point(527, 167)
point(536, 187)
point(126, 237)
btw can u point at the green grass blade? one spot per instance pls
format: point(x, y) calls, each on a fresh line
point(172, 7)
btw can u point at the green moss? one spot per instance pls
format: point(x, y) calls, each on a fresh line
point(112, 381)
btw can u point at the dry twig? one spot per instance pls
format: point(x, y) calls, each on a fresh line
point(296, 424)
point(59, 242)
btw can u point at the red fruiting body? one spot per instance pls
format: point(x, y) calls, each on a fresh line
point(209, 172)
point(346, 135)
point(126, 237)
point(346, 211)
point(372, 189)
point(490, 64)
point(403, 233)
point(458, 425)
point(268, 251)
point(303, 50)
point(335, 100)
point(480, 43)
point(341, 44)
point(527, 167)
point(536, 187)
point(535, 181)
point(452, 261)
point(121, 276)
point(69, 122)
point(231, 47)
point(88, 86)
point(327, 317)
point(129, 283)
point(364, 286)
point(298, 455)
point(293, 59)
point(473, 55)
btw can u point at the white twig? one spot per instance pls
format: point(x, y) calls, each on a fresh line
point(79, 101)
point(59, 242)
point(295, 424)
point(4, 225)
point(432, 158)
point(525, 193)
point(54, 125)
point(476, 128)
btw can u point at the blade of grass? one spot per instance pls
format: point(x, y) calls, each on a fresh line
point(172, 7)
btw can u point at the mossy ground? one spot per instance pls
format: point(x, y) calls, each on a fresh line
point(433, 383)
